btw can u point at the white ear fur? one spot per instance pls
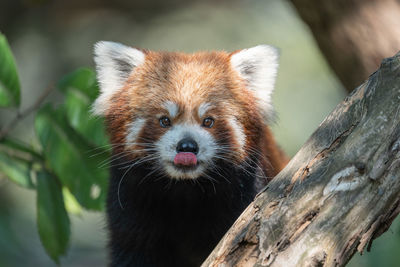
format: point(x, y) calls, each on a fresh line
point(114, 64)
point(258, 66)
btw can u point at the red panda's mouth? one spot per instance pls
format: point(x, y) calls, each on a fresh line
point(185, 159)
point(184, 171)
point(186, 162)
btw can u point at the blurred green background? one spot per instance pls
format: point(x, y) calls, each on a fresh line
point(52, 38)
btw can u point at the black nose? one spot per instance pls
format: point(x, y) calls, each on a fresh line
point(187, 145)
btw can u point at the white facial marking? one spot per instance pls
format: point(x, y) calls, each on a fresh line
point(258, 66)
point(172, 108)
point(203, 109)
point(238, 132)
point(177, 174)
point(134, 129)
point(114, 64)
point(167, 149)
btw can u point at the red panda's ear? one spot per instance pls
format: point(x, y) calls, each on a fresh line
point(258, 66)
point(114, 64)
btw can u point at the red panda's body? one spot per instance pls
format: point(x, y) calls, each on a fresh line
point(190, 142)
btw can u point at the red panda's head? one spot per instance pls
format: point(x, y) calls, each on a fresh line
point(184, 112)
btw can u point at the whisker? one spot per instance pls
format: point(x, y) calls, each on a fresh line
point(141, 160)
point(113, 158)
point(122, 155)
point(150, 173)
point(122, 178)
point(212, 180)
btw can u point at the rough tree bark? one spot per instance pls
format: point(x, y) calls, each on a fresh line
point(354, 35)
point(338, 193)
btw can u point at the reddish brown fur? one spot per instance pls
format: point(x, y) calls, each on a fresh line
point(190, 80)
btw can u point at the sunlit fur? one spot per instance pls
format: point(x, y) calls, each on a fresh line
point(160, 214)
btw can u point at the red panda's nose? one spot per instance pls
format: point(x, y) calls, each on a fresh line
point(187, 145)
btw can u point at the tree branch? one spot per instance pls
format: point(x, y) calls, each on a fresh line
point(353, 35)
point(339, 192)
point(22, 114)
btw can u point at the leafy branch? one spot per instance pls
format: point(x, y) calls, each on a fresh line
point(63, 165)
point(22, 114)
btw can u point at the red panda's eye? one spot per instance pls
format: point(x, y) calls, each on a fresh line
point(165, 122)
point(208, 122)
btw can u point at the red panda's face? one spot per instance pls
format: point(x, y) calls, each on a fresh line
point(182, 113)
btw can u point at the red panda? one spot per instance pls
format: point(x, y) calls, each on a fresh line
point(191, 144)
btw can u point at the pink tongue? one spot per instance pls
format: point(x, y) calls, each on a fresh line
point(185, 158)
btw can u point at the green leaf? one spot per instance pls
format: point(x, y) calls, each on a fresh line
point(52, 218)
point(82, 79)
point(15, 144)
point(16, 170)
point(69, 155)
point(9, 81)
point(81, 90)
point(77, 108)
point(71, 204)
